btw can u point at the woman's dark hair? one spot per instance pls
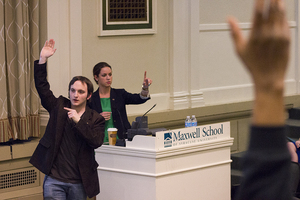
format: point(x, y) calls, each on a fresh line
point(83, 80)
point(97, 69)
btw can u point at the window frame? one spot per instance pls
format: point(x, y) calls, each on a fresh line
point(106, 28)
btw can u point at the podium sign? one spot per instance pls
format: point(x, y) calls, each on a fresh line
point(192, 135)
point(178, 138)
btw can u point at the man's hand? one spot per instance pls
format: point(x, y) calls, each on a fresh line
point(297, 143)
point(72, 114)
point(47, 51)
point(265, 54)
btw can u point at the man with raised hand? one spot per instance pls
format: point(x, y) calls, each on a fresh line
point(65, 154)
point(265, 55)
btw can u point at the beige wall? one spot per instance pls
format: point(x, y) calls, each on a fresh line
point(190, 59)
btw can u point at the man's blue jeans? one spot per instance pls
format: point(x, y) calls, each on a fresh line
point(57, 190)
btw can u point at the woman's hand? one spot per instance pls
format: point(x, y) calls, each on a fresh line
point(106, 115)
point(147, 81)
point(47, 51)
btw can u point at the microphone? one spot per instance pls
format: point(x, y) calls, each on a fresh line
point(140, 119)
point(149, 110)
point(136, 124)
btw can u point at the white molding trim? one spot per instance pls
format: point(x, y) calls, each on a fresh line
point(75, 38)
point(183, 100)
point(226, 94)
point(197, 99)
point(225, 26)
point(156, 175)
point(237, 93)
point(180, 55)
point(180, 100)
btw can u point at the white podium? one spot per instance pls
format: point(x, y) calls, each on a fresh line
point(189, 163)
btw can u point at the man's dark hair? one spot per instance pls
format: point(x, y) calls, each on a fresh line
point(83, 80)
point(97, 69)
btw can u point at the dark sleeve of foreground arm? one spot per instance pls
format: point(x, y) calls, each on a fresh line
point(266, 166)
point(42, 85)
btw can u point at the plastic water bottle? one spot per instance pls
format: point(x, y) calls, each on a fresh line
point(188, 122)
point(194, 120)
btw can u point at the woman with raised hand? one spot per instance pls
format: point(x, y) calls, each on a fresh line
point(111, 103)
